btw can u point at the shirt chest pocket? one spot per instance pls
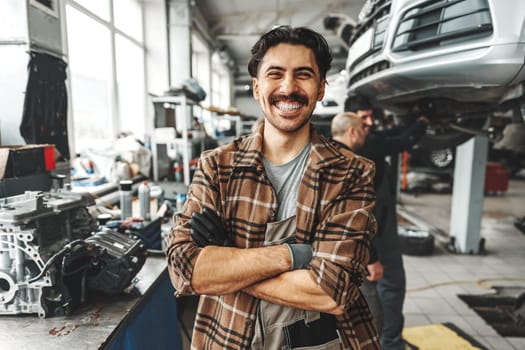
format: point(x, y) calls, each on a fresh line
point(279, 232)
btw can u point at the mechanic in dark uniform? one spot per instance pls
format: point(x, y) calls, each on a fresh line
point(384, 288)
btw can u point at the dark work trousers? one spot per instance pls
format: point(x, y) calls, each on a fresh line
point(390, 290)
point(369, 290)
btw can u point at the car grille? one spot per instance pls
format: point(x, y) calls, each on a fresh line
point(375, 68)
point(438, 23)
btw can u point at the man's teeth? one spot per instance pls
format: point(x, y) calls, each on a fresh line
point(284, 106)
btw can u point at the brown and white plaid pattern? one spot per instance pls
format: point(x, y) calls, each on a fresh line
point(334, 208)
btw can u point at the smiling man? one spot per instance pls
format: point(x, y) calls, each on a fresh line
point(276, 231)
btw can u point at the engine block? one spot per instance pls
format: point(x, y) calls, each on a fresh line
point(51, 253)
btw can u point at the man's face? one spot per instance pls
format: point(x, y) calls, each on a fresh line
point(287, 86)
point(367, 116)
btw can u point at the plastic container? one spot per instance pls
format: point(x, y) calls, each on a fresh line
point(158, 193)
point(181, 199)
point(144, 200)
point(178, 171)
point(103, 219)
point(125, 198)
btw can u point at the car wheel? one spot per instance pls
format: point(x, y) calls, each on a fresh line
point(441, 158)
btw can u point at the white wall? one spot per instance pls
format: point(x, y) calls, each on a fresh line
point(156, 41)
point(246, 104)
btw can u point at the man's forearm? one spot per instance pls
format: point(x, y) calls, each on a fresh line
point(223, 270)
point(295, 289)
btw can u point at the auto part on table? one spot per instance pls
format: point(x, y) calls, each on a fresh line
point(51, 254)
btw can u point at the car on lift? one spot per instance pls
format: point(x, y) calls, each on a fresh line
point(458, 62)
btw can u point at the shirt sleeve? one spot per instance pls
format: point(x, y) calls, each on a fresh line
point(342, 243)
point(400, 141)
point(182, 252)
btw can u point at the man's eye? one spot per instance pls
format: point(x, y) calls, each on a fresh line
point(274, 74)
point(304, 75)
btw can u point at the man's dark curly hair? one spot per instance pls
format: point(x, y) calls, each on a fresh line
point(295, 36)
point(355, 103)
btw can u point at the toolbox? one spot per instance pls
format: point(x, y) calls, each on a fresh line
point(496, 178)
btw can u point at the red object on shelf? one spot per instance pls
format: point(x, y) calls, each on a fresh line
point(49, 158)
point(24, 160)
point(496, 178)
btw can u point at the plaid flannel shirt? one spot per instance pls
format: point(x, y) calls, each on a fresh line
point(334, 206)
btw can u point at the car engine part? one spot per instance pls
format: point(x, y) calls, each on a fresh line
point(51, 254)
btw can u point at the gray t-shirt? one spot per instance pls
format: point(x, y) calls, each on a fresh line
point(273, 321)
point(285, 179)
point(272, 318)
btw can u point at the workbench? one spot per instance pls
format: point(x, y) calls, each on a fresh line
point(144, 318)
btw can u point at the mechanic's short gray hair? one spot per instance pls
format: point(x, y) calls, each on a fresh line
point(343, 121)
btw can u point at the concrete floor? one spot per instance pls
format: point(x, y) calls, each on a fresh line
point(433, 282)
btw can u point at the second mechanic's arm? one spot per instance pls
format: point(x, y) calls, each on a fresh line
point(402, 140)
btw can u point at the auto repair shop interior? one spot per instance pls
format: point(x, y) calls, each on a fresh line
point(107, 105)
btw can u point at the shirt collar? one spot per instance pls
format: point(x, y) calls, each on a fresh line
point(323, 153)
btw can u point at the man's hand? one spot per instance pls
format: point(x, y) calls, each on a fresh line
point(375, 271)
point(423, 119)
point(207, 229)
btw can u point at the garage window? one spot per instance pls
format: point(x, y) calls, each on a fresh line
point(107, 71)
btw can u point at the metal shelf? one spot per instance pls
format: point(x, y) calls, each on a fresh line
point(163, 136)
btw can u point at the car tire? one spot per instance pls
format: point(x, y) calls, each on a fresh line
point(441, 158)
point(421, 245)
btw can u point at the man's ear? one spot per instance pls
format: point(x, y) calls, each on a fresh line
point(351, 132)
point(322, 87)
point(255, 88)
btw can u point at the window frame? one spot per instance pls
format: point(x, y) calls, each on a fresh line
point(115, 103)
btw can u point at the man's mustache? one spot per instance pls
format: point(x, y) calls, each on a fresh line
point(293, 97)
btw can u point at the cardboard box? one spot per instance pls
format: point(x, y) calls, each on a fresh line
point(17, 161)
